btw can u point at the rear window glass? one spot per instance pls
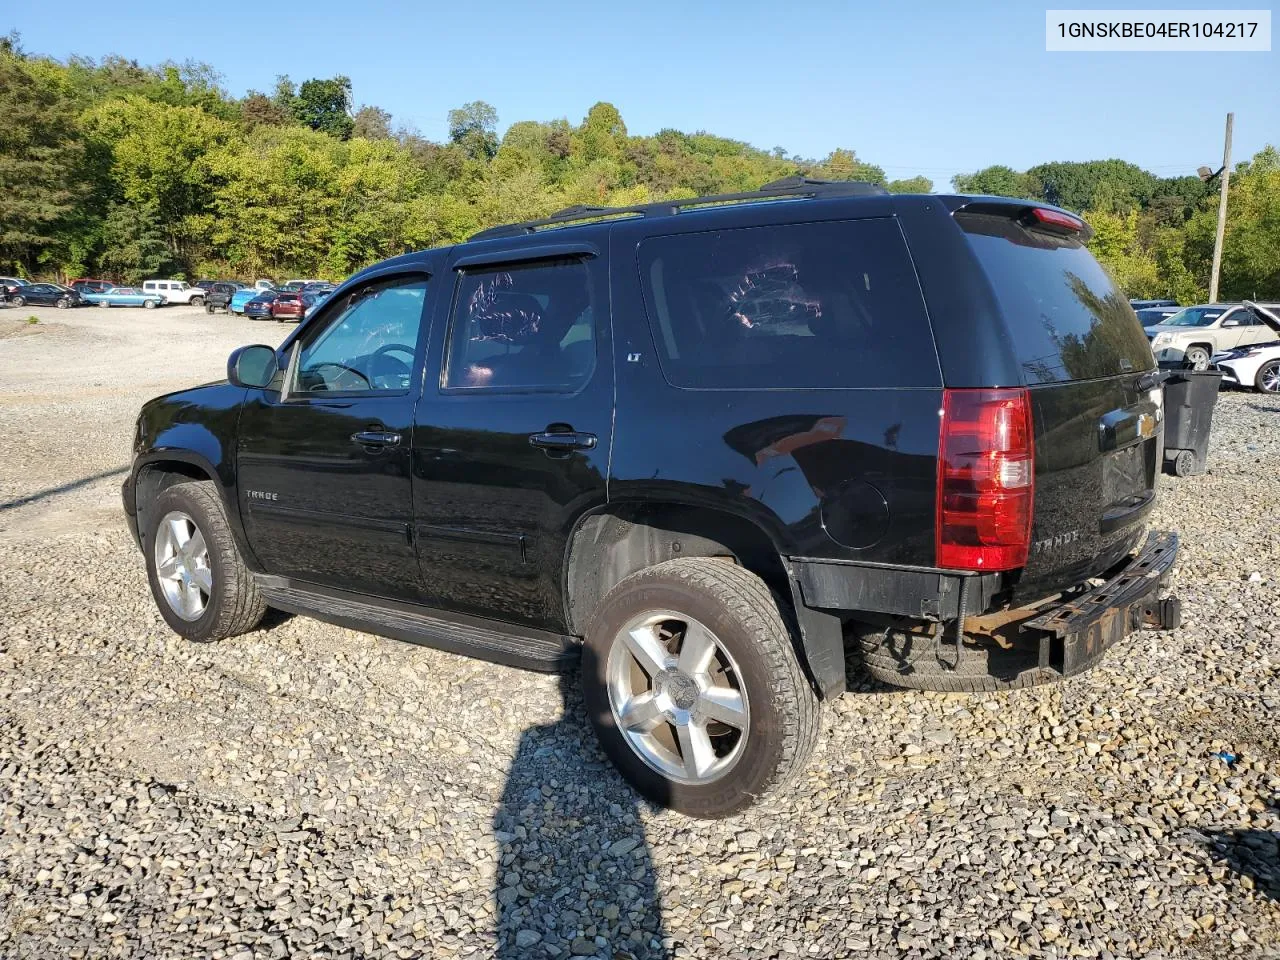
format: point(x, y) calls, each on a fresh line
point(828, 304)
point(1066, 316)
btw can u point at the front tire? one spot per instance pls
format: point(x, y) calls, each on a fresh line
point(1268, 378)
point(692, 683)
point(63, 304)
point(149, 304)
point(1197, 358)
point(202, 587)
point(197, 301)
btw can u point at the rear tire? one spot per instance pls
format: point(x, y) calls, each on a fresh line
point(903, 658)
point(1268, 378)
point(18, 302)
point(684, 757)
point(231, 604)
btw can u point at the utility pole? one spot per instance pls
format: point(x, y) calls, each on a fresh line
point(1222, 213)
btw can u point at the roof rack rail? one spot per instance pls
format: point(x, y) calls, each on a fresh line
point(797, 186)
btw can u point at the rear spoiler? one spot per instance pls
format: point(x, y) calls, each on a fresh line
point(1039, 216)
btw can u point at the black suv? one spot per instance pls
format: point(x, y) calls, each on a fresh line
point(219, 296)
point(711, 447)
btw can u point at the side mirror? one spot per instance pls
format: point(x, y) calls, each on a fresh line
point(1232, 322)
point(252, 366)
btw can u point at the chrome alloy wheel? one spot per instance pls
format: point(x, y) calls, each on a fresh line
point(1271, 378)
point(182, 565)
point(678, 697)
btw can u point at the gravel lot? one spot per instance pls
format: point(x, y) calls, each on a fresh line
point(310, 791)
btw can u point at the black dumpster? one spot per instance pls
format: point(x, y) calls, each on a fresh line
point(1189, 396)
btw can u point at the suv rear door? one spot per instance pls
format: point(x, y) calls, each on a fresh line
point(512, 437)
point(1081, 351)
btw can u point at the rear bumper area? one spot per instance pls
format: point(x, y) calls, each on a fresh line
point(1073, 635)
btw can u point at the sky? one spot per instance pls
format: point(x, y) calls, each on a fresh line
point(917, 88)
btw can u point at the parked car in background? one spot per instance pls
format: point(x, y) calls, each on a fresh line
point(259, 307)
point(175, 291)
point(313, 300)
point(241, 297)
point(9, 285)
point(1143, 304)
point(1150, 316)
point(1193, 335)
point(293, 286)
point(319, 286)
point(1254, 365)
point(46, 294)
point(288, 306)
point(89, 285)
point(261, 285)
point(125, 297)
point(218, 295)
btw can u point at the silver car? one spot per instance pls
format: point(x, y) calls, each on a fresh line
point(1193, 335)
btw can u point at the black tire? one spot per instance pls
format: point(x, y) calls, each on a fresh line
point(1197, 358)
point(1272, 369)
point(197, 301)
point(149, 304)
point(745, 616)
point(234, 606)
point(18, 301)
point(924, 662)
point(208, 308)
point(63, 304)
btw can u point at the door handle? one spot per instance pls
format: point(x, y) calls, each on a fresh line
point(376, 438)
point(570, 440)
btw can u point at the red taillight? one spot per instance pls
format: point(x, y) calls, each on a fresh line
point(986, 467)
point(1056, 218)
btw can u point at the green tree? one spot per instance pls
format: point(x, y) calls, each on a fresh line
point(40, 160)
point(325, 105)
point(911, 185)
point(473, 126)
point(993, 181)
point(371, 123)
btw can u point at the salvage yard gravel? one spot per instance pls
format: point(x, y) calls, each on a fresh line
point(305, 790)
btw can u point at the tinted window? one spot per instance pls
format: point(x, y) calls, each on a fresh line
point(369, 344)
point(1195, 317)
point(525, 326)
point(1067, 319)
point(833, 304)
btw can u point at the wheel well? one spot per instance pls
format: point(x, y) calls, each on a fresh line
point(609, 546)
point(155, 477)
point(1207, 346)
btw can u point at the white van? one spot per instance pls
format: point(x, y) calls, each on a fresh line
point(175, 291)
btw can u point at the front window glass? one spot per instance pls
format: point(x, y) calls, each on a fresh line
point(370, 345)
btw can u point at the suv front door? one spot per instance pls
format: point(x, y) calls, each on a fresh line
point(323, 455)
point(511, 443)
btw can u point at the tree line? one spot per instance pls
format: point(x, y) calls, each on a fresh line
point(111, 168)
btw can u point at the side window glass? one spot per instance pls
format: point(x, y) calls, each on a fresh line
point(370, 343)
point(522, 327)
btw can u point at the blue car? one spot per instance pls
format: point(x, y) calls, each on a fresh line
point(240, 298)
point(124, 297)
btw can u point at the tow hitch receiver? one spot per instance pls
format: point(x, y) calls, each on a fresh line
point(1075, 634)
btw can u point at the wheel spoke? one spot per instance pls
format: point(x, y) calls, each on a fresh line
point(641, 713)
point(191, 600)
point(696, 649)
point(644, 646)
point(203, 578)
point(178, 533)
point(723, 704)
point(696, 751)
point(168, 570)
point(194, 547)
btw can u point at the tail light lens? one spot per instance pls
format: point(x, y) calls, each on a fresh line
point(986, 483)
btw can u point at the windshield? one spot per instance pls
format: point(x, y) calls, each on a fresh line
point(1194, 317)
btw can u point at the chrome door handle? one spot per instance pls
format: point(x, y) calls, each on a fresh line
point(376, 438)
point(563, 441)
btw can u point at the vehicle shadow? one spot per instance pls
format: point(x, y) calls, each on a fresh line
point(575, 875)
point(1250, 853)
point(1264, 408)
point(64, 488)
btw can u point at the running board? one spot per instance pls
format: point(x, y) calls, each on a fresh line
point(454, 633)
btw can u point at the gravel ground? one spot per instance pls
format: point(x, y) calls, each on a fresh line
point(310, 791)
